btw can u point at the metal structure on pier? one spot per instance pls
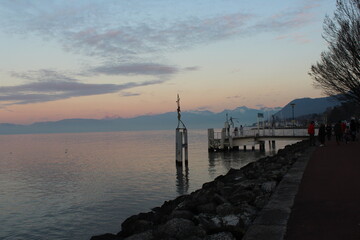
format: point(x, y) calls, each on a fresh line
point(181, 139)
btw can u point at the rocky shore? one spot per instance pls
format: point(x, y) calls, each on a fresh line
point(222, 209)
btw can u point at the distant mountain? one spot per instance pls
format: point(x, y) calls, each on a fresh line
point(306, 106)
point(192, 119)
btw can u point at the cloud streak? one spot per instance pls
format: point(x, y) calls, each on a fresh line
point(123, 41)
point(53, 86)
point(288, 20)
point(133, 69)
point(128, 37)
point(154, 69)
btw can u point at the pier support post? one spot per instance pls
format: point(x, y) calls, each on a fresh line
point(253, 148)
point(181, 146)
point(185, 146)
point(244, 148)
point(211, 139)
point(222, 141)
point(262, 146)
point(273, 144)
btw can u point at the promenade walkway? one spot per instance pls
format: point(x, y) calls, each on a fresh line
point(327, 205)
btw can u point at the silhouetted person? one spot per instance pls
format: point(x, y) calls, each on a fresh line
point(236, 131)
point(241, 130)
point(347, 134)
point(338, 132)
point(328, 131)
point(311, 132)
point(353, 129)
point(343, 128)
point(322, 134)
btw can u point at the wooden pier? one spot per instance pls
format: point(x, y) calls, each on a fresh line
point(226, 140)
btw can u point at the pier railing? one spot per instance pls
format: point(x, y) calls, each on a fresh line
point(263, 132)
point(227, 138)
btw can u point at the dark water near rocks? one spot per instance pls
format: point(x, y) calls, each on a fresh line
point(74, 186)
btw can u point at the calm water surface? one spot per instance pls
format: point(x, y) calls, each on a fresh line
point(74, 186)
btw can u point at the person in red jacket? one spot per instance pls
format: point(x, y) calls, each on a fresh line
point(311, 132)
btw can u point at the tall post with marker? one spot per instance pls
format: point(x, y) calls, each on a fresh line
point(181, 138)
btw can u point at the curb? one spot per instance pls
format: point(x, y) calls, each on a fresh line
point(271, 223)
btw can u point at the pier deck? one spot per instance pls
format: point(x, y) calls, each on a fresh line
point(227, 140)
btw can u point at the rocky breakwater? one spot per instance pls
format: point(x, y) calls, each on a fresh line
point(221, 209)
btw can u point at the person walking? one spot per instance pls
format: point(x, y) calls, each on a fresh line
point(236, 131)
point(328, 131)
point(241, 130)
point(353, 129)
point(338, 132)
point(311, 132)
point(343, 128)
point(322, 134)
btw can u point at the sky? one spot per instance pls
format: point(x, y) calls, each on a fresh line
point(120, 58)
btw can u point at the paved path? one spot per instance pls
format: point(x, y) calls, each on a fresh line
point(272, 220)
point(327, 205)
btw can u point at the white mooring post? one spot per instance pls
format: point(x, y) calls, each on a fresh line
point(181, 139)
point(181, 146)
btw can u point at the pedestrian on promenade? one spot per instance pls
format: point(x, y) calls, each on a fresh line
point(347, 134)
point(241, 130)
point(322, 134)
point(338, 132)
point(236, 131)
point(343, 128)
point(353, 129)
point(328, 131)
point(311, 132)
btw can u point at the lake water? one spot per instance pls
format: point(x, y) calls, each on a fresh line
point(74, 186)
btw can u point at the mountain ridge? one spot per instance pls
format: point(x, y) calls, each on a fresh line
point(195, 119)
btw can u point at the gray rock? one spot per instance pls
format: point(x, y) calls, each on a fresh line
point(194, 238)
point(231, 220)
point(221, 236)
point(148, 235)
point(246, 184)
point(233, 224)
point(181, 214)
point(268, 186)
point(225, 209)
point(178, 228)
point(209, 223)
point(242, 196)
point(206, 208)
point(107, 236)
point(248, 214)
point(134, 225)
point(220, 199)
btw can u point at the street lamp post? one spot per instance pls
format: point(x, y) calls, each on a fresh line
point(293, 117)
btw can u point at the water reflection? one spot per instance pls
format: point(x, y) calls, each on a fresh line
point(73, 186)
point(223, 161)
point(182, 179)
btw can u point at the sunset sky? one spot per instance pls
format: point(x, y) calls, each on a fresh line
point(120, 58)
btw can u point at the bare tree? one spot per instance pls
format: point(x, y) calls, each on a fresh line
point(338, 71)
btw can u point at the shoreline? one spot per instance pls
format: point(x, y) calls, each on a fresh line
point(228, 207)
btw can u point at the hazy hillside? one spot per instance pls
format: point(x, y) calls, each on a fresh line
point(306, 106)
point(192, 119)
